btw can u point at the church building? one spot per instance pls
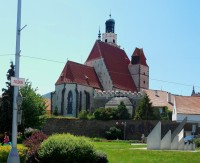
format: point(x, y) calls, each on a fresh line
point(106, 74)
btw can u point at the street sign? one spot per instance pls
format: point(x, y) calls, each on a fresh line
point(19, 82)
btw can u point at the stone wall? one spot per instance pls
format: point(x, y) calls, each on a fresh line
point(96, 128)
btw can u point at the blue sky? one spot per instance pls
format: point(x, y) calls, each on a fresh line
point(167, 30)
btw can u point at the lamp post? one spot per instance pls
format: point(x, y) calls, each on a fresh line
point(13, 156)
point(124, 127)
point(124, 124)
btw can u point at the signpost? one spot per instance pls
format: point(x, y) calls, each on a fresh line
point(13, 156)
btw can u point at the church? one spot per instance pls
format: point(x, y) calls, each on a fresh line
point(107, 76)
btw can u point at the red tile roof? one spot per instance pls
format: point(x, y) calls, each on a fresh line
point(158, 98)
point(81, 74)
point(138, 57)
point(187, 105)
point(184, 104)
point(116, 62)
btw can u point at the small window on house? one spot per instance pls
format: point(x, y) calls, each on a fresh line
point(144, 73)
point(144, 82)
point(113, 40)
point(105, 40)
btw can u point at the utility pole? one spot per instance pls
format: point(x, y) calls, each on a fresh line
point(13, 155)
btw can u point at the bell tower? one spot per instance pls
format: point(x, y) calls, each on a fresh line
point(109, 36)
point(139, 69)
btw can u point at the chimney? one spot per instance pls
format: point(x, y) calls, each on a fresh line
point(156, 93)
point(168, 97)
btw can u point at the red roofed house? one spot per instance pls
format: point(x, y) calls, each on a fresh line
point(107, 68)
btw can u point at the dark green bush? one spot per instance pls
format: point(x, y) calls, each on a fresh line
point(67, 148)
point(114, 133)
point(197, 142)
point(83, 114)
point(121, 112)
point(55, 112)
point(101, 157)
point(105, 113)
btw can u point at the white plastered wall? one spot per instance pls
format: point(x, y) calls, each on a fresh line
point(140, 76)
point(110, 37)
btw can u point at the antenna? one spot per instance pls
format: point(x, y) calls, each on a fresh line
point(110, 14)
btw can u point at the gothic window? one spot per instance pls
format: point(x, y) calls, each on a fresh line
point(69, 104)
point(62, 100)
point(87, 95)
point(80, 102)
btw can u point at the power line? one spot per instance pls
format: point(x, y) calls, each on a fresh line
point(2, 55)
point(164, 81)
point(49, 60)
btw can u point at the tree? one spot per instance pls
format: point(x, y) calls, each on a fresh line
point(33, 107)
point(6, 108)
point(144, 110)
point(123, 111)
point(120, 112)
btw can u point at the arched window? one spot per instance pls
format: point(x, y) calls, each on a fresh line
point(105, 40)
point(69, 103)
point(80, 102)
point(87, 95)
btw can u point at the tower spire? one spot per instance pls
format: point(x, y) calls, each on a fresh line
point(99, 35)
point(193, 91)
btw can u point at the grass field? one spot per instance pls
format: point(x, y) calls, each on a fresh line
point(123, 152)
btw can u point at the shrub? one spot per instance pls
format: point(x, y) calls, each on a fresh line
point(114, 133)
point(55, 112)
point(67, 148)
point(105, 113)
point(33, 144)
point(4, 151)
point(121, 112)
point(83, 114)
point(101, 157)
point(197, 142)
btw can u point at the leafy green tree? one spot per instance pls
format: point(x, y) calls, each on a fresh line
point(123, 111)
point(120, 112)
point(144, 110)
point(6, 108)
point(33, 107)
point(105, 113)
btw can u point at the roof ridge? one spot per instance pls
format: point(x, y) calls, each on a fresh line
point(70, 71)
point(99, 49)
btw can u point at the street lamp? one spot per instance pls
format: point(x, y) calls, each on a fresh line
point(124, 127)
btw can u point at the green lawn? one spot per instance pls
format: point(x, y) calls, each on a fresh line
point(123, 152)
